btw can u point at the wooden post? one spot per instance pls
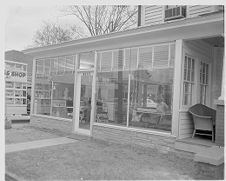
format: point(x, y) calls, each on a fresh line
point(177, 83)
point(33, 87)
point(120, 89)
point(75, 126)
point(93, 101)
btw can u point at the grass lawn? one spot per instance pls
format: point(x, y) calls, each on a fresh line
point(92, 159)
point(23, 132)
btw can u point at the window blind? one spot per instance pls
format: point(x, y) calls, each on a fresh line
point(145, 58)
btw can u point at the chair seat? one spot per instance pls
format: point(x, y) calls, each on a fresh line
point(203, 118)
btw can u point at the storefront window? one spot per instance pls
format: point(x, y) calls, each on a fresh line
point(149, 72)
point(86, 61)
point(112, 89)
point(54, 86)
point(62, 102)
point(151, 99)
point(111, 94)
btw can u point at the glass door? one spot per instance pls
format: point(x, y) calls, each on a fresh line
point(83, 102)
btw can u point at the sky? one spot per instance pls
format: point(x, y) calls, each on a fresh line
point(21, 23)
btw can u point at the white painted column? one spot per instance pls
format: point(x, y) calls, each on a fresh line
point(93, 100)
point(33, 87)
point(177, 83)
point(128, 100)
point(75, 126)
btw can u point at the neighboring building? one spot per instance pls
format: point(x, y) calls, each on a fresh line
point(15, 88)
point(134, 86)
point(18, 58)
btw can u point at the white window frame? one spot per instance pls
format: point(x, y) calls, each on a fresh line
point(189, 82)
point(204, 83)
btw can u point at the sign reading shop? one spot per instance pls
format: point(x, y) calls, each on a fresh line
point(16, 76)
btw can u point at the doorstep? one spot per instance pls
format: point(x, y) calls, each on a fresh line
point(213, 155)
point(204, 151)
point(193, 145)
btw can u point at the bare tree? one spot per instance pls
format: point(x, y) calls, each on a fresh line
point(105, 19)
point(51, 33)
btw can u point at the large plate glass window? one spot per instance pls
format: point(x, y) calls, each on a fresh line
point(134, 87)
point(111, 89)
point(54, 86)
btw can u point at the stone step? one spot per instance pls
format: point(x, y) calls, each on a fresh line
point(190, 147)
point(213, 155)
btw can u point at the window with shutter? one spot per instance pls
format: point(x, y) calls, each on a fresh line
point(69, 64)
point(145, 58)
point(172, 55)
point(161, 54)
point(47, 66)
point(133, 58)
point(127, 59)
point(106, 61)
point(61, 65)
point(39, 66)
point(117, 63)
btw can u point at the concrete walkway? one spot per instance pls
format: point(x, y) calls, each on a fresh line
point(37, 144)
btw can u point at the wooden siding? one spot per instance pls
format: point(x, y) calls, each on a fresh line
point(217, 73)
point(197, 10)
point(153, 15)
point(186, 126)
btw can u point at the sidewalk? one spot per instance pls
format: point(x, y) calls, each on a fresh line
point(37, 144)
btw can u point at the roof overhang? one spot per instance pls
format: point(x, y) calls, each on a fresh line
point(199, 27)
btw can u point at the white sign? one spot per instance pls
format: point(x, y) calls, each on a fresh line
point(15, 76)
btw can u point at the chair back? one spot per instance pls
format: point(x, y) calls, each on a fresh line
point(203, 122)
point(202, 110)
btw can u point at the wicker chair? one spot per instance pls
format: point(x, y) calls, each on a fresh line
point(204, 118)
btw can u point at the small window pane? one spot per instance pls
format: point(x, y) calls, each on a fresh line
point(127, 59)
point(161, 54)
point(172, 54)
point(133, 58)
point(106, 61)
point(145, 58)
point(118, 59)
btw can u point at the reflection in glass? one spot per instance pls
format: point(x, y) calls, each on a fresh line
point(86, 61)
point(151, 99)
point(111, 93)
point(85, 100)
point(54, 87)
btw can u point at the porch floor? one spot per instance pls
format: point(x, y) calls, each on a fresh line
point(198, 141)
point(204, 150)
point(193, 145)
